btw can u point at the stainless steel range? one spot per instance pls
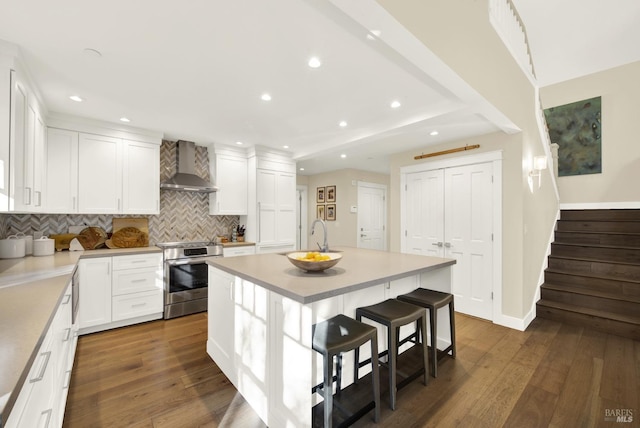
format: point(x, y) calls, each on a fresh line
point(186, 276)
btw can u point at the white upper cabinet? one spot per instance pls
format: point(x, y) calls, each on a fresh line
point(27, 149)
point(20, 193)
point(101, 174)
point(62, 171)
point(228, 170)
point(141, 178)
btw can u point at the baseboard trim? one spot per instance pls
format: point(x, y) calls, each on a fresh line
point(601, 205)
point(511, 322)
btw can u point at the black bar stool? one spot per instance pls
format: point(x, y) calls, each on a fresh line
point(394, 314)
point(432, 301)
point(335, 336)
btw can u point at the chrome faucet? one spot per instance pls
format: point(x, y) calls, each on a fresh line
point(325, 245)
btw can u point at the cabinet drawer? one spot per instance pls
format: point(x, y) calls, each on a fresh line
point(238, 251)
point(138, 304)
point(136, 280)
point(137, 261)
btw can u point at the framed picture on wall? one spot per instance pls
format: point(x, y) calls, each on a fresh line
point(331, 212)
point(320, 195)
point(331, 194)
point(320, 212)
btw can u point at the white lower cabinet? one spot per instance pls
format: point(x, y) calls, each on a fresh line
point(221, 320)
point(120, 290)
point(95, 292)
point(43, 396)
point(136, 305)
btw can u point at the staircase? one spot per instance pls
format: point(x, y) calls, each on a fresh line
point(593, 276)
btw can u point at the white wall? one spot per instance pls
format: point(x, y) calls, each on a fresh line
point(617, 185)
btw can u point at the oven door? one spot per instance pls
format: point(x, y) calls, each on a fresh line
point(186, 286)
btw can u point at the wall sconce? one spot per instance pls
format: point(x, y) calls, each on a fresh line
point(539, 163)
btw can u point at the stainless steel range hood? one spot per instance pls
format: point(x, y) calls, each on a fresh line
point(185, 178)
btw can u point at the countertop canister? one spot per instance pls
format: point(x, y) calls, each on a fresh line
point(44, 246)
point(12, 248)
point(28, 243)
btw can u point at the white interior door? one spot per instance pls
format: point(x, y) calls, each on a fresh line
point(425, 213)
point(372, 216)
point(468, 236)
point(449, 213)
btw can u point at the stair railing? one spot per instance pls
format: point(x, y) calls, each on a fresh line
point(509, 26)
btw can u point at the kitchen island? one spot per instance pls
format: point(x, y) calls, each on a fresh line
point(262, 308)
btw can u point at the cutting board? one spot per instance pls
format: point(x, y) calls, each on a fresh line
point(139, 223)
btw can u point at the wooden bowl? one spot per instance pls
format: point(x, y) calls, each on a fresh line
point(311, 266)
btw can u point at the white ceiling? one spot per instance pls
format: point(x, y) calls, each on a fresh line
point(196, 70)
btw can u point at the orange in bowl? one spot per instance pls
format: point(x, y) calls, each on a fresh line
point(313, 261)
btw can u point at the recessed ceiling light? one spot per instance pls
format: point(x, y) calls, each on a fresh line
point(265, 97)
point(433, 133)
point(343, 156)
point(239, 143)
point(124, 119)
point(314, 62)
point(76, 98)
point(342, 124)
point(395, 104)
point(285, 147)
point(301, 169)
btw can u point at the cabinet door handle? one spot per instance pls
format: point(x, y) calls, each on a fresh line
point(27, 195)
point(259, 227)
point(48, 412)
point(68, 334)
point(68, 297)
point(448, 244)
point(73, 203)
point(437, 244)
point(39, 199)
point(137, 305)
point(138, 280)
point(118, 204)
point(43, 369)
point(68, 381)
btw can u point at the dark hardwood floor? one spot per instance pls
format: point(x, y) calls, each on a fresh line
point(158, 374)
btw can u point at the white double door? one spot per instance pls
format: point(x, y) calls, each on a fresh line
point(449, 214)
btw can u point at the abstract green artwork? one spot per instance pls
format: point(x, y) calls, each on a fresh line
point(577, 129)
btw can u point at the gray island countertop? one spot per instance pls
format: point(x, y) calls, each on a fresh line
point(358, 269)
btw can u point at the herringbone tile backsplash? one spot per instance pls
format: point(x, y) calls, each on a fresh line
point(184, 216)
